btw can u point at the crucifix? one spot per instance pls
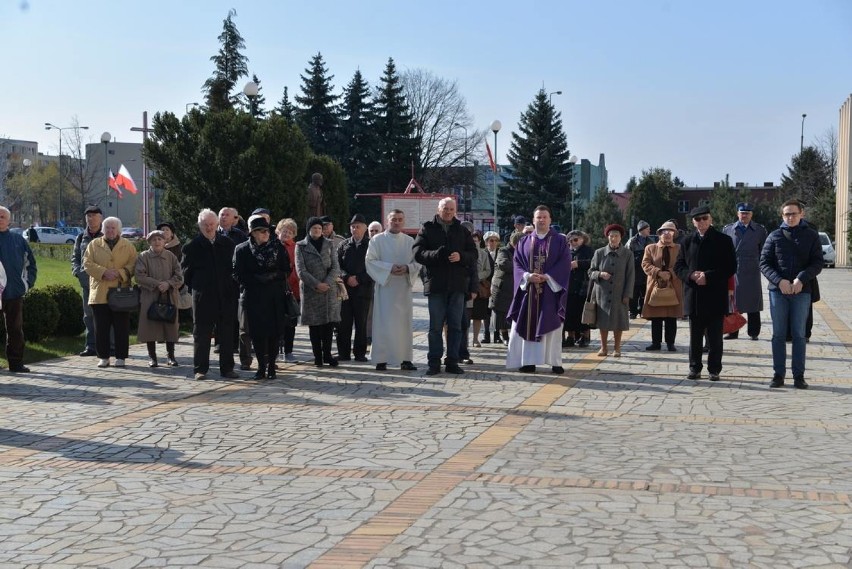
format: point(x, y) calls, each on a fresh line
point(146, 211)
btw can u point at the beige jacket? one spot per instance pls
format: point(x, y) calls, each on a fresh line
point(98, 258)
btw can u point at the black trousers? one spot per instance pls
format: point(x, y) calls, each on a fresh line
point(321, 336)
point(265, 349)
point(753, 324)
point(353, 312)
point(152, 349)
point(107, 320)
point(13, 313)
point(288, 338)
point(711, 327)
point(657, 330)
point(201, 334)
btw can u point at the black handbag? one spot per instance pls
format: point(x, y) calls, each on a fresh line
point(292, 310)
point(162, 310)
point(123, 298)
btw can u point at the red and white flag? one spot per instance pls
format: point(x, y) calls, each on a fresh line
point(490, 157)
point(125, 181)
point(112, 184)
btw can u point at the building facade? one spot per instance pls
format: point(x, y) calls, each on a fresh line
point(844, 179)
point(102, 157)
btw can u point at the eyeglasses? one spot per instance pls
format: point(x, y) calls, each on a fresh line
point(791, 213)
point(701, 218)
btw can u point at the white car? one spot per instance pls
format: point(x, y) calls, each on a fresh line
point(828, 253)
point(51, 235)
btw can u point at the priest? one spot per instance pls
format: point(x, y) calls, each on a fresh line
point(542, 268)
point(390, 262)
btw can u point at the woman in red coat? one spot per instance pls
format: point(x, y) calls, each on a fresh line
point(286, 231)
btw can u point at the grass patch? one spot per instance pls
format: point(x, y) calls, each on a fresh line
point(55, 271)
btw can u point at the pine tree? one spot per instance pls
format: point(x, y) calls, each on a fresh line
point(601, 212)
point(653, 198)
point(357, 137)
point(810, 178)
point(316, 115)
point(285, 108)
point(230, 66)
point(539, 155)
point(396, 143)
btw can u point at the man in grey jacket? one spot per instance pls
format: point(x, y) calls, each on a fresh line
point(94, 217)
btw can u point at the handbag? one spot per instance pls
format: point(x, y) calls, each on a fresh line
point(484, 290)
point(123, 298)
point(292, 308)
point(663, 295)
point(162, 310)
point(184, 298)
point(734, 321)
point(590, 309)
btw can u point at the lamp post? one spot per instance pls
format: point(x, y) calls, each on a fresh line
point(105, 138)
point(802, 140)
point(572, 160)
point(495, 128)
point(188, 105)
point(466, 187)
point(551, 96)
point(26, 165)
point(50, 126)
point(251, 90)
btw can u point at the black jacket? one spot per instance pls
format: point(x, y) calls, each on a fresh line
point(791, 253)
point(80, 243)
point(578, 284)
point(262, 289)
point(432, 248)
point(351, 257)
point(714, 255)
point(207, 269)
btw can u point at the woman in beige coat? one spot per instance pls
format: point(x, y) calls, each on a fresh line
point(109, 261)
point(657, 263)
point(159, 275)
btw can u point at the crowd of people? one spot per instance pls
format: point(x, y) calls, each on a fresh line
point(539, 293)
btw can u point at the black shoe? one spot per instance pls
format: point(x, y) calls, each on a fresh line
point(407, 366)
point(318, 362)
point(777, 381)
point(714, 377)
point(270, 371)
point(800, 383)
point(653, 348)
point(498, 340)
point(382, 367)
point(453, 369)
point(732, 336)
point(260, 373)
point(693, 375)
point(361, 359)
point(230, 375)
point(153, 363)
point(467, 361)
point(216, 349)
point(559, 370)
point(753, 337)
point(87, 353)
point(706, 349)
point(568, 343)
point(433, 370)
point(584, 342)
point(671, 347)
point(332, 362)
point(245, 367)
point(487, 338)
point(345, 358)
point(172, 362)
point(527, 369)
point(20, 368)
point(633, 315)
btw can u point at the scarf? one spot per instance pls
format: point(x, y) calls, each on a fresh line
point(111, 243)
point(266, 255)
point(317, 243)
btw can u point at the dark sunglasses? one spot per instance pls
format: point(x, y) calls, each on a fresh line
point(701, 218)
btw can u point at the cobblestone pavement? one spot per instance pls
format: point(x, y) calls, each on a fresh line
point(621, 462)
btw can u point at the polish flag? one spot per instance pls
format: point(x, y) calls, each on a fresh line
point(112, 184)
point(490, 157)
point(124, 180)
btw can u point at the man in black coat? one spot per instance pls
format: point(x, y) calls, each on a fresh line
point(229, 227)
point(207, 268)
point(447, 252)
point(706, 262)
point(352, 255)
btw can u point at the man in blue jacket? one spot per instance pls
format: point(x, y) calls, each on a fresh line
point(20, 266)
point(791, 258)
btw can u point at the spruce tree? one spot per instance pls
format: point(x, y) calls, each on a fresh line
point(285, 108)
point(316, 115)
point(539, 156)
point(601, 212)
point(723, 203)
point(357, 137)
point(230, 66)
point(810, 178)
point(396, 144)
point(653, 198)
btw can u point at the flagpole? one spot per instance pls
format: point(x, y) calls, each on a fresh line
point(105, 138)
point(146, 208)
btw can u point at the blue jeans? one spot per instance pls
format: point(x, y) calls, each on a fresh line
point(445, 307)
point(792, 309)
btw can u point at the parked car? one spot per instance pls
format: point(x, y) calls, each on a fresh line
point(73, 231)
point(132, 233)
point(17, 230)
point(51, 235)
point(829, 255)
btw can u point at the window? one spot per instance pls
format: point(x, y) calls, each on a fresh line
point(683, 206)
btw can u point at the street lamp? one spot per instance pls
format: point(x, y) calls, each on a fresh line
point(495, 128)
point(551, 96)
point(802, 140)
point(251, 90)
point(26, 165)
point(573, 160)
point(466, 188)
point(190, 105)
point(50, 126)
point(105, 138)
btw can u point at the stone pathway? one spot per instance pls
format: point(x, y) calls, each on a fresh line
point(617, 463)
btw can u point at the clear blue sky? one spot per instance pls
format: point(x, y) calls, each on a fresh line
point(704, 88)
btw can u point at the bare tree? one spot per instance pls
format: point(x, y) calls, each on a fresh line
point(826, 144)
point(443, 125)
point(83, 179)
